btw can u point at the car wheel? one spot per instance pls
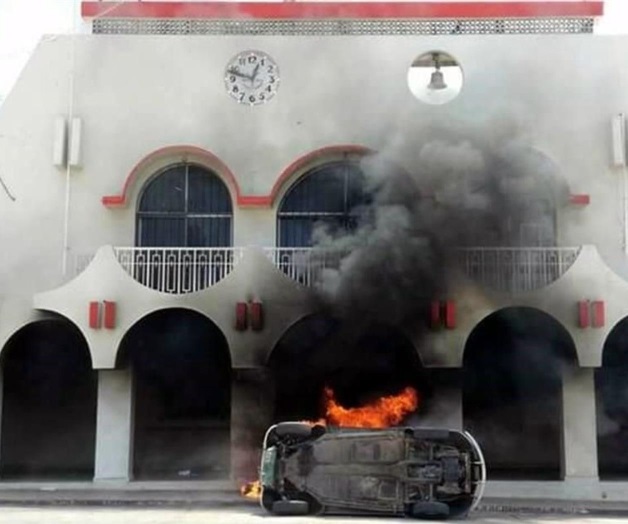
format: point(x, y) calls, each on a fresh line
point(293, 429)
point(430, 510)
point(290, 507)
point(269, 496)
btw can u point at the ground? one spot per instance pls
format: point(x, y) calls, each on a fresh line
point(247, 515)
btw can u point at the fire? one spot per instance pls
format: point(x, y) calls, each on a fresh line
point(381, 413)
point(251, 490)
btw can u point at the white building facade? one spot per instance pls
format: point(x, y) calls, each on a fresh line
point(161, 278)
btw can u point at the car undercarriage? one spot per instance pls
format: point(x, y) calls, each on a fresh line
point(423, 473)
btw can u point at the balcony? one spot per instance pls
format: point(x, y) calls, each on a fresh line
point(516, 270)
point(173, 270)
point(186, 270)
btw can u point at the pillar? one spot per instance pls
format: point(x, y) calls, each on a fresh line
point(579, 437)
point(443, 409)
point(1, 404)
point(252, 404)
point(114, 425)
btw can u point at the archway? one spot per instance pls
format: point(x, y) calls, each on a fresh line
point(49, 403)
point(182, 372)
point(319, 351)
point(612, 405)
point(513, 366)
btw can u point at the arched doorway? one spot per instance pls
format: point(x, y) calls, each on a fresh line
point(612, 405)
point(513, 367)
point(319, 351)
point(182, 372)
point(49, 403)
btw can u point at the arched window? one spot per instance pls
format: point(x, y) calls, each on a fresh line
point(184, 206)
point(329, 195)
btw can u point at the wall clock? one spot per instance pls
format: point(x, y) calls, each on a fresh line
point(252, 77)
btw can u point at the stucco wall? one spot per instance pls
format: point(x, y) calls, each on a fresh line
point(137, 94)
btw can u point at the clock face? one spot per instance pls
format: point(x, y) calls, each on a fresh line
point(252, 77)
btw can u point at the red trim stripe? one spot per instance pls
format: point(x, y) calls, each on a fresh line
point(291, 10)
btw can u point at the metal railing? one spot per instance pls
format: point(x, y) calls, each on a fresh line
point(178, 270)
point(516, 269)
point(304, 264)
point(186, 270)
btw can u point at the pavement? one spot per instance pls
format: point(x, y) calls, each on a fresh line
point(222, 495)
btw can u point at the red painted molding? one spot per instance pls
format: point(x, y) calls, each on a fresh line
point(257, 316)
point(305, 160)
point(223, 171)
point(435, 320)
point(241, 317)
point(94, 315)
point(598, 317)
point(292, 10)
point(580, 200)
point(584, 319)
point(449, 314)
point(208, 158)
point(110, 314)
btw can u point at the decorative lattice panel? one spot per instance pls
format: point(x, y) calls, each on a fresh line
point(344, 27)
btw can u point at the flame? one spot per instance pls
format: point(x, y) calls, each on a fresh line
point(251, 490)
point(381, 413)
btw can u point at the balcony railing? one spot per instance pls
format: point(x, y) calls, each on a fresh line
point(516, 269)
point(304, 264)
point(186, 270)
point(178, 270)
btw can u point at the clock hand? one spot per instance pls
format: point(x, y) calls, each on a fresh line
point(255, 72)
point(235, 72)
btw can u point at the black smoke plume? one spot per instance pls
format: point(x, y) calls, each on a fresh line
point(463, 190)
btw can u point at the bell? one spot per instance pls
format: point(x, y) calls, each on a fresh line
point(437, 81)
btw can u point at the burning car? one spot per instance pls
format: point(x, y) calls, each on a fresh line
point(422, 473)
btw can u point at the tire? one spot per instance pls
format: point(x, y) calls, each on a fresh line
point(290, 507)
point(269, 496)
point(293, 429)
point(430, 510)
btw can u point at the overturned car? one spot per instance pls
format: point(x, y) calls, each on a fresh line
point(421, 473)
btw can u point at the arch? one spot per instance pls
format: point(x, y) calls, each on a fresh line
point(49, 403)
point(612, 404)
point(302, 164)
point(184, 205)
point(172, 155)
point(182, 368)
point(512, 389)
point(320, 351)
point(327, 194)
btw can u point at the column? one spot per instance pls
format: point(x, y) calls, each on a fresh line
point(252, 404)
point(1, 404)
point(579, 438)
point(443, 409)
point(114, 425)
